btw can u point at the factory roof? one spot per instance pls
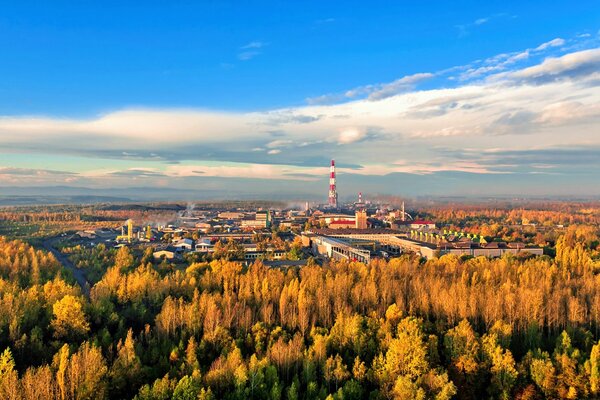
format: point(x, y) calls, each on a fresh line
point(336, 215)
point(342, 222)
point(354, 231)
point(416, 222)
point(284, 263)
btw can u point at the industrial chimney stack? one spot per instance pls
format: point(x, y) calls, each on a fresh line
point(332, 201)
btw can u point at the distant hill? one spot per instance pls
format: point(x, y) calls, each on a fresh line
point(38, 200)
point(40, 195)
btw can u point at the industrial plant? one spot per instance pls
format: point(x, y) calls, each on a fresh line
point(357, 230)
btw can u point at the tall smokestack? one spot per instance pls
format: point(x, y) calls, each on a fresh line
point(403, 213)
point(332, 201)
point(129, 230)
point(360, 197)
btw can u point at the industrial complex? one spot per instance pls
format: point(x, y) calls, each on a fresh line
point(356, 231)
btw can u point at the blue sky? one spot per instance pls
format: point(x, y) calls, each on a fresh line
point(464, 96)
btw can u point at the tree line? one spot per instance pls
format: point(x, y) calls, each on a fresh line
point(468, 328)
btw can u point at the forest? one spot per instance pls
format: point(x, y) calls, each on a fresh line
point(517, 327)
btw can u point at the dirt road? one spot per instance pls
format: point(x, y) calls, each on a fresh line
point(78, 274)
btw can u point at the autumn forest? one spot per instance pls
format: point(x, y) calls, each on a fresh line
point(452, 327)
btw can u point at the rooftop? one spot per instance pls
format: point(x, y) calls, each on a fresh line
point(416, 222)
point(354, 231)
point(342, 222)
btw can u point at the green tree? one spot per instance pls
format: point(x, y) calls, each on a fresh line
point(187, 388)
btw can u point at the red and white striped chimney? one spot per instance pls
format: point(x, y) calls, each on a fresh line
point(332, 201)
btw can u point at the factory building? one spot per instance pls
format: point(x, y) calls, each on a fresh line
point(231, 215)
point(336, 248)
point(361, 219)
point(126, 237)
point(416, 224)
point(167, 253)
point(262, 219)
point(425, 244)
point(184, 244)
point(342, 224)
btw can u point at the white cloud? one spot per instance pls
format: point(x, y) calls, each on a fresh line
point(581, 62)
point(253, 45)
point(401, 85)
point(33, 176)
point(350, 135)
point(553, 102)
point(250, 171)
point(463, 29)
point(552, 43)
point(375, 92)
point(569, 112)
point(250, 50)
point(279, 143)
point(504, 61)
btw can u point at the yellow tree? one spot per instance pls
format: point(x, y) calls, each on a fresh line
point(61, 364)
point(406, 357)
point(86, 373)
point(543, 374)
point(123, 259)
point(69, 319)
point(9, 379)
point(335, 370)
point(462, 348)
point(593, 367)
point(39, 383)
point(501, 365)
point(127, 367)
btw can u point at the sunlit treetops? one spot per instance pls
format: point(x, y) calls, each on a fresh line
point(445, 328)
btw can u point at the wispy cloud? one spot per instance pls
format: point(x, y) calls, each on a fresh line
point(505, 61)
point(375, 92)
point(552, 43)
point(573, 65)
point(22, 176)
point(253, 45)
point(250, 50)
point(477, 70)
point(465, 29)
point(382, 91)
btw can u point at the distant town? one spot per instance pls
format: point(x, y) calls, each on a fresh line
point(356, 231)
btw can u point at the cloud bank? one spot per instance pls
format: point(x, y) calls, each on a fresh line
point(531, 112)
